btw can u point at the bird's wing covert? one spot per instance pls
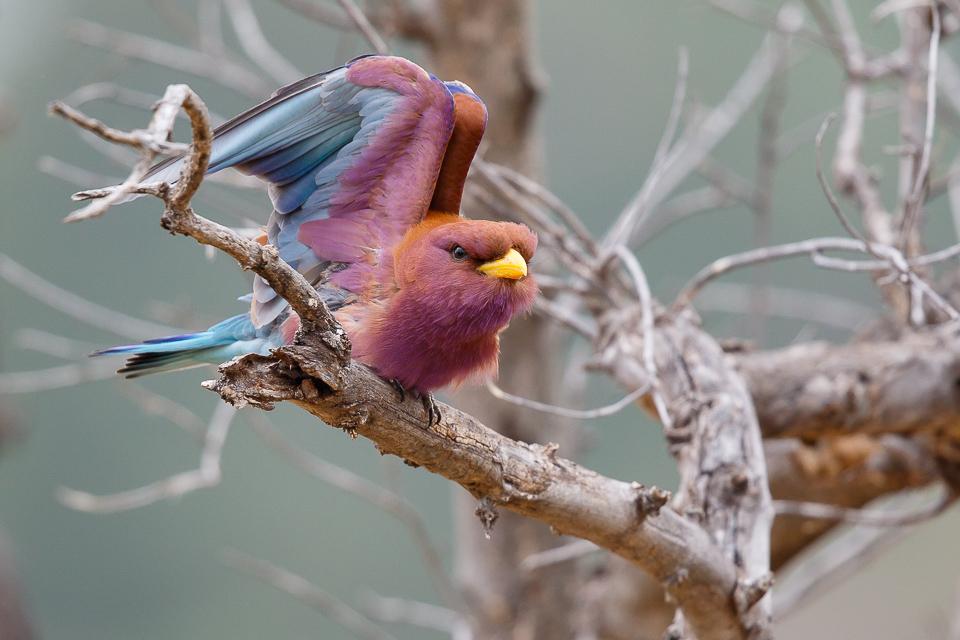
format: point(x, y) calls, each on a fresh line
point(352, 156)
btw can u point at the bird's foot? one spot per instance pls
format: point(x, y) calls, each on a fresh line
point(432, 408)
point(399, 387)
point(430, 404)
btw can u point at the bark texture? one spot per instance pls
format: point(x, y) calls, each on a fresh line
point(527, 479)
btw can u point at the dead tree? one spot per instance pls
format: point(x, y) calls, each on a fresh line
point(811, 433)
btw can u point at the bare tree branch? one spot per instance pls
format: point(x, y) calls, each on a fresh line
point(418, 614)
point(390, 502)
point(256, 45)
point(836, 561)
point(816, 389)
point(364, 27)
point(808, 306)
point(590, 414)
point(869, 517)
point(68, 375)
point(693, 146)
point(226, 72)
point(528, 479)
point(207, 475)
point(309, 593)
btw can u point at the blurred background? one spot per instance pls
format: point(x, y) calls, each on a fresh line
point(158, 571)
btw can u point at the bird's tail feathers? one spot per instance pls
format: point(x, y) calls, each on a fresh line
point(217, 344)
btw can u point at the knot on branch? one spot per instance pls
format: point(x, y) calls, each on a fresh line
point(749, 592)
point(650, 501)
point(304, 371)
point(259, 381)
point(488, 514)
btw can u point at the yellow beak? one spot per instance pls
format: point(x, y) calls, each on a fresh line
point(511, 266)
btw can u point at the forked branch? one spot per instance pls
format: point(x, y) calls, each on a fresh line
point(317, 374)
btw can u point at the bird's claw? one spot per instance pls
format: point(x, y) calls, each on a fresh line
point(399, 387)
point(432, 409)
point(429, 402)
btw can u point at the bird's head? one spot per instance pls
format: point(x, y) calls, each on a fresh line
point(473, 269)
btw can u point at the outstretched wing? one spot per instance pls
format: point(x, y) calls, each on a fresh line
point(352, 157)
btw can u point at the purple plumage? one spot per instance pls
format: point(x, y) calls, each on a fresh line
point(441, 325)
point(366, 165)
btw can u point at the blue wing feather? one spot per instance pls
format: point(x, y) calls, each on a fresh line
point(310, 138)
point(300, 142)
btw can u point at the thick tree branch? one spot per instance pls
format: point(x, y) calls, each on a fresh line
point(524, 478)
point(715, 438)
point(849, 471)
point(817, 389)
point(317, 374)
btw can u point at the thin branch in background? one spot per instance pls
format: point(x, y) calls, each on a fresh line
point(552, 283)
point(647, 323)
point(890, 7)
point(74, 306)
point(562, 314)
point(839, 558)
point(770, 117)
point(737, 261)
point(53, 344)
point(319, 12)
point(754, 14)
point(356, 485)
point(900, 269)
point(133, 139)
point(891, 259)
point(256, 45)
point(183, 24)
point(291, 583)
point(915, 198)
point(116, 94)
point(702, 200)
point(948, 80)
point(223, 70)
point(210, 28)
point(113, 93)
point(365, 27)
point(578, 414)
point(794, 304)
point(155, 404)
point(676, 108)
point(953, 192)
point(73, 174)
point(208, 474)
point(936, 256)
point(226, 201)
point(565, 553)
point(832, 199)
point(870, 516)
point(120, 156)
point(853, 51)
point(793, 139)
point(68, 375)
point(728, 181)
point(150, 143)
point(918, 287)
point(417, 614)
point(696, 143)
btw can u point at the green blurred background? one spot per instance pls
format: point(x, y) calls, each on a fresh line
point(156, 572)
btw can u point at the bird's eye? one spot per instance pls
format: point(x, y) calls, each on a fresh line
point(458, 252)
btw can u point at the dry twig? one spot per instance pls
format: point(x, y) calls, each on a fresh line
point(346, 616)
point(208, 474)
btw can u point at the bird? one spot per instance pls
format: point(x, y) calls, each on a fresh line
point(365, 166)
